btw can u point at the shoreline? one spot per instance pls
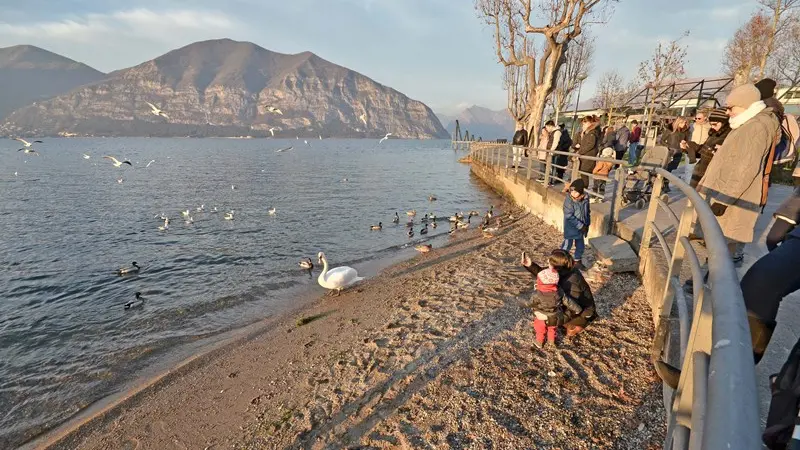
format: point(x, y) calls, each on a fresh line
point(367, 361)
point(148, 380)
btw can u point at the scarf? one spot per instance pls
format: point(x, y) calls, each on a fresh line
point(747, 114)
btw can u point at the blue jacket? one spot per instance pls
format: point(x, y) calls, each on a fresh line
point(576, 216)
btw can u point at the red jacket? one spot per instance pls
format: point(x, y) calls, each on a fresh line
point(636, 134)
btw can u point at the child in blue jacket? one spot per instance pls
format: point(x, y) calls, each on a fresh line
point(577, 218)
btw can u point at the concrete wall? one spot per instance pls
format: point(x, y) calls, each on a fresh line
point(546, 203)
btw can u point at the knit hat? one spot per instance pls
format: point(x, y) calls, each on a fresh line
point(766, 87)
point(718, 115)
point(743, 96)
point(578, 186)
point(547, 280)
point(608, 152)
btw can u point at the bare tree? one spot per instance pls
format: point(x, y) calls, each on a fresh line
point(744, 52)
point(562, 22)
point(612, 92)
point(575, 69)
point(779, 12)
point(785, 61)
point(663, 68)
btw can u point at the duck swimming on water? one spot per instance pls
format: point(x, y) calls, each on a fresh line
point(396, 218)
point(307, 264)
point(377, 227)
point(135, 303)
point(129, 270)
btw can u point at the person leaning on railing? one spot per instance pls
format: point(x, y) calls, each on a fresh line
point(518, 143)
point(737, 179)
point(589, 146)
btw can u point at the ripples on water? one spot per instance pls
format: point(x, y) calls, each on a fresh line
point(67, 224)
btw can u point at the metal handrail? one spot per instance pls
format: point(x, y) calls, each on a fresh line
point(716, 402)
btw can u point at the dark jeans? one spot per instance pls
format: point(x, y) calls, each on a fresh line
point(772, 278)
point(776, 234)
point(579, 247)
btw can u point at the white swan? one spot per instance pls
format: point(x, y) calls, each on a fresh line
point(337, 278)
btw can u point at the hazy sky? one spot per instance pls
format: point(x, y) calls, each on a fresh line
point(436, 51)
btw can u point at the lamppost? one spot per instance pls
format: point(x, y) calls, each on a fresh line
point(581, 77)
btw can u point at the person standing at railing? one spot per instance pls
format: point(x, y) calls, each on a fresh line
point(718, 131)
point(633, 143)
point(589, 146)
point(672, 140)
point(577, 218)
point(518, 144)
point(700, 130)
point(553, 134)
point(623, 140)
point(737, 179)
point(564, 144)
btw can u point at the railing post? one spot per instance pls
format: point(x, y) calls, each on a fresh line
point(529, 163)
point(616, 197)
point(508, 151)
point(548, 168)
point(647, 232)
point(576, 166)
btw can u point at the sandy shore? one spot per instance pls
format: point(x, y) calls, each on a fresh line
point(435, 352)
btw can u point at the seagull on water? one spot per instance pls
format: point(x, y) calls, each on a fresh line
point(26, 143)
point(118, 163)
point(85, 156)
point(229, 216)
point(274, 110)
point(272, 130)
point(119, 180)
point(164, 227)
point(272, 211)
point(157, 111)
point(384, 138)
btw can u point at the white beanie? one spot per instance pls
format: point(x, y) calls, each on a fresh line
point(608, 152)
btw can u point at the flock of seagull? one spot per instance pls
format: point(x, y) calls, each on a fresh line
point(333, 279)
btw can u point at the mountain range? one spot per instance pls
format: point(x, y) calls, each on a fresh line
point(226, 88)
point(481, 122)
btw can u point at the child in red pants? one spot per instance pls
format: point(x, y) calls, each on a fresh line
point(548, 303)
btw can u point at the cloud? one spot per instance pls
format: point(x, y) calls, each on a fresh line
point(137, 34)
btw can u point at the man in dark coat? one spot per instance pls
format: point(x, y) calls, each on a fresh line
point(719, 130)
point(589, 146)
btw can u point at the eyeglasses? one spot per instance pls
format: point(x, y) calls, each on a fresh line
point(698, 119)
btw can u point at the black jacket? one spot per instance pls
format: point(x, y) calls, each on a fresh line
point(705, 152)
point(520, 138)
point(575, 287)
point(550, 303)
point(672, 139)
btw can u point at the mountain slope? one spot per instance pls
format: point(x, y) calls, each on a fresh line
point(224, 87)
point(483, 122)
point(29, 74)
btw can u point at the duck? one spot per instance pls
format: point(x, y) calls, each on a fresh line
point(462, 225)
point(139, 301)
point(337, 278)
point(411, 213)
point(432, 217)
point(307, 264)
point(434, 225)
point(228, 216)
point(424, 219)
point(129, 270)
point(396, 218)
point(432, 198)
point(201, 208)
point(410, 233)
point(424, 248)
point(424, 230)
point(377, 227)
point(452, 230)
point(272, 211)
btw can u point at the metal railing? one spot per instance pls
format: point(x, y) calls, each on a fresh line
point(715, 405)
point(546, 170)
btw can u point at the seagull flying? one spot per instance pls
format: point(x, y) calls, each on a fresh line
point(118, 163)
point(274, 110)
point(157, 111)
point(363, 118)
point(272, 130)
point(26, 143)
point(85, 156)
point(384, 138)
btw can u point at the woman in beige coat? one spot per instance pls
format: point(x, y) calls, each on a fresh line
point(736, 179)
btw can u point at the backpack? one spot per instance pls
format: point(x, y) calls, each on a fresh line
point(784, 151)
point(783, 406)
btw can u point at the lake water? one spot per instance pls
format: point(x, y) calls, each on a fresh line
point(68, 223)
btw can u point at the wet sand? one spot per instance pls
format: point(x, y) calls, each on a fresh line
point(435, 352)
